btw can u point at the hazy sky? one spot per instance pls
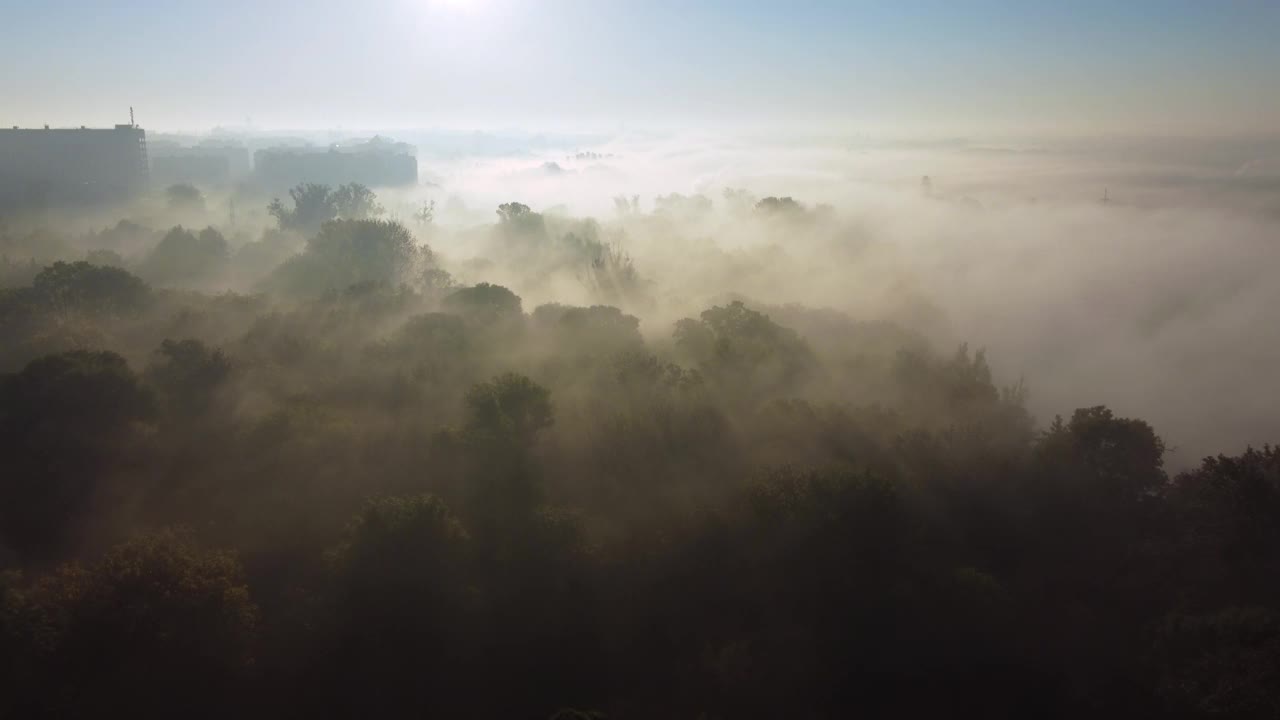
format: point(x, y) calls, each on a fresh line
point(933, 66)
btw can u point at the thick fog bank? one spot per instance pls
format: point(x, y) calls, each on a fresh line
point(1135, 273)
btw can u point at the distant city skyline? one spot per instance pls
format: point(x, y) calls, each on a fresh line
point(929, 67)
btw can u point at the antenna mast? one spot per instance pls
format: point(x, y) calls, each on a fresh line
point(131, 122)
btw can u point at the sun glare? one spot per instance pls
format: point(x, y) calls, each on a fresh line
point(462, 5)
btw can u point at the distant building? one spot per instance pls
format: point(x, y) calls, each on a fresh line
point(203, 165)
point(201, 170)
point(52, 168)
point(376, 163)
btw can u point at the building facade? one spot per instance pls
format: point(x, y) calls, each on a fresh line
point(376, 163)
point(53, 168)
point(206, 166)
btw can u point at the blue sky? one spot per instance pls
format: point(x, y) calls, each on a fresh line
point(929, 67)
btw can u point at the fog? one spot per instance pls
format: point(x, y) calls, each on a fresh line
point(650, 424)
point(1153, 300)
point(1156, 302)
point(609, 360)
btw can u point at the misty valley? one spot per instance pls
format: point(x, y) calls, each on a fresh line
point(320, 454)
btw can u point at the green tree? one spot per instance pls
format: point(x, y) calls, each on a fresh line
point(505, 417)
point(684, 207)
point(184, 197)
point(779, 206)
point(485, 303)
point(744, 350)
point(520, 226)
point(1225, 524)
point(597, 330)
point(352, 252)
point(1116, 462)
point(184, 258)
point(510, 408)
point(513, 212)
point(83, 288)
point(425, 215)
point(66, 421)
point(187, 373)
point(356, 202)
point(1224, 664)
point(158, 626)
point(313, 206)
point(403, 608)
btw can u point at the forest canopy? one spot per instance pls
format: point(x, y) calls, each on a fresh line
point(325, 469)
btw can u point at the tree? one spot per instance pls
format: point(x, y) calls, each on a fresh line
point(510, 408)
point(739, 201)
point(779, 206)
point(595, 330)
point(626, 206)
point(425, 214)
point(489, 302)
point(519, 224)
point(513, 212)
point(745, 350)
point(403, 602)
point(184, 258)
point(1225, 515)
point(1225, 664)
point(411, 546)
point(1094, 501)
point(158, 626)
point(104, 258)
point(604, 268)
point(505, 416)
point(432, 335)
point(254, 261)
point(351, 252)
point(958, 393)
point(356, 202)
point(65, 422)
point(313, 205)
point(187, 373)
point(1119, 461)
point(90, 289)
point(184, 197)
point(124, 237)
point(682, 206)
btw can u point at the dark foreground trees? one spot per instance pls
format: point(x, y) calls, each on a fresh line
point(406, 500)
point(157, 627)
point(69, 426)
point(315, 204)
point(344, 253)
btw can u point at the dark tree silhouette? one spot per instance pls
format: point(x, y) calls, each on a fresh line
point(157, 626)
point(353, 252)
point(356, 202)
point(184, 258)
point(313, 206)
point(65, 422)
point(184, 197)
point(187, 373)
point(84, 288)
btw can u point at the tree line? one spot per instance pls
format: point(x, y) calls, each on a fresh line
point(369, 489)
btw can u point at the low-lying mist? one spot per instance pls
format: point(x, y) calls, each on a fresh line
point(655, 428)
point(1138, 274)
point(1131, 273)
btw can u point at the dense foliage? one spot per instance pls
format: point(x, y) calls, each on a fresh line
point(400, 496)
